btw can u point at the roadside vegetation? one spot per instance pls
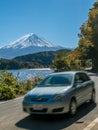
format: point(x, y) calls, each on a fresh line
point(11, 88)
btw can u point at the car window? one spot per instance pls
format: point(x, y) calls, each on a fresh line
point(57, 80)
point(82, 77)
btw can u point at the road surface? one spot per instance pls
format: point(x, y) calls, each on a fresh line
point(13, 118)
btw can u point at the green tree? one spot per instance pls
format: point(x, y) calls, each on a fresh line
point(88, 42)
point(87, 50)
point(59, 62)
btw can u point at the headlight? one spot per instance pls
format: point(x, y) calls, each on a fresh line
point(58, 98)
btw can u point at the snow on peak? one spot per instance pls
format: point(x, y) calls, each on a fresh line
point(27, 44)
point(30, 40)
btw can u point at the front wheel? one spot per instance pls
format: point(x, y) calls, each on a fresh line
point(72, 108)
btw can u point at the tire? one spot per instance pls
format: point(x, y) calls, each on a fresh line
point(93, 98)
point(72, 108)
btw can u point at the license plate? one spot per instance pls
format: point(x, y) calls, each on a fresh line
point(37, 107)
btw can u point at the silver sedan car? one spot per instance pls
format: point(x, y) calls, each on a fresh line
point(60, 93)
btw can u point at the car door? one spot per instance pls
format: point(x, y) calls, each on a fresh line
point(87, 83)
point(80, 88)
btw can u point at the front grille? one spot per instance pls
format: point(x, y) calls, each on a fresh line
point(58, 109)
point(43, 110)
point(39, 99)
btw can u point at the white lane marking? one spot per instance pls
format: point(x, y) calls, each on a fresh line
point(92, 124)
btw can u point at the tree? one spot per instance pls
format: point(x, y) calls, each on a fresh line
point(59, 62)
point(87, 50)
point(89, 37)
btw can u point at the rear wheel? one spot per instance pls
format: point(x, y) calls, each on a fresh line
point(72, 108)
point(93, 98)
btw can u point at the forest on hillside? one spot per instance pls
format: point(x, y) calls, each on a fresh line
point(37, 60)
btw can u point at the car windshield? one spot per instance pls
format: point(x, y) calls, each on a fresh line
point(56, 80)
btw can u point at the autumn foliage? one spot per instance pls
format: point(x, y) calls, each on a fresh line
point(86, 54)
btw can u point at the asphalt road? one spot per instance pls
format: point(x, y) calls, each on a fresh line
point(13, 118)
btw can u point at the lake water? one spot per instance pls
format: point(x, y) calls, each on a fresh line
point(31, 73)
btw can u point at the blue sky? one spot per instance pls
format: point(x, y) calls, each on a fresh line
point(58, 21)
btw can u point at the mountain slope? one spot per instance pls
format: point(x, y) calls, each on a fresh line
point(40, 56)
point(27, 44)
point(37, 60)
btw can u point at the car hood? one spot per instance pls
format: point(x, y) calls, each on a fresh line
point(48, 91)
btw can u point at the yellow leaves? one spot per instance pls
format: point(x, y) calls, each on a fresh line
point(89, 29)
point(85, 42)
point(73, 56)
point(93, 13)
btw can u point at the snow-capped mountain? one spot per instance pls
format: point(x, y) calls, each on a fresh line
point(27, 44)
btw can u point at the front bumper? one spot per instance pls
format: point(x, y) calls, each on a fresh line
point(46, 108)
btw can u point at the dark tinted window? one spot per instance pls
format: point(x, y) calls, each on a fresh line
point(82, 76)
point(57, 80)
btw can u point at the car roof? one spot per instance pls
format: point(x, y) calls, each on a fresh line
point(68, 72)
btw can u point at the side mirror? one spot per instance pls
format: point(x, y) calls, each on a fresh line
point(78, 82)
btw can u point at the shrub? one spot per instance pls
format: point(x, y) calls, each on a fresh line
point(10, 87)
point(7, 92)
point(30, 83)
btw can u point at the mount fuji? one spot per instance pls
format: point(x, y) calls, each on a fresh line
point(27, 44)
